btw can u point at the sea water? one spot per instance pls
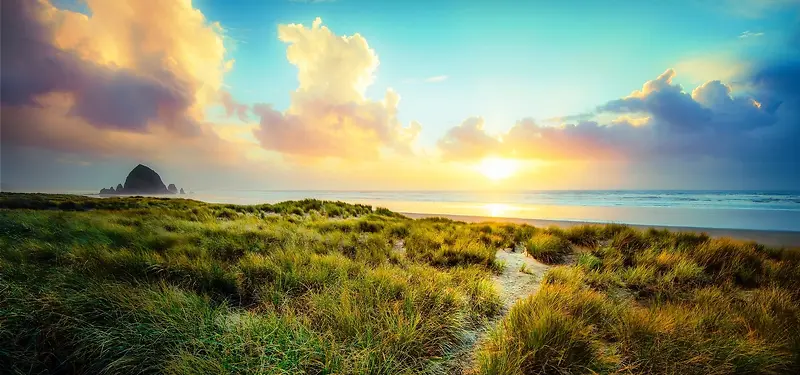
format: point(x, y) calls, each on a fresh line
point(757, 210)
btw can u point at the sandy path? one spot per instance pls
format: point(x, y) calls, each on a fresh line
point(513, 284)
point(517, 282)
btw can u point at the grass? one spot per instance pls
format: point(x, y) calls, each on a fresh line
point(144, 285)
point(653, 302)
point(547, 248)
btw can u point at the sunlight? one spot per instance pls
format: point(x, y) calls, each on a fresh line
point(497, 209)
point(497, 168)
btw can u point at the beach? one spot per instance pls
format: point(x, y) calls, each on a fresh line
point(767, 237)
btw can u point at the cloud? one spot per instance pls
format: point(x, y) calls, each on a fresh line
point(50, 127)
point(567, 118)
point(232, 107)
point(468, 140)
point(435, 79)
point(665, 101)
point(659, 122)
point(129, 80)
point(329, 115)
point(750, 34)
point(160, 77)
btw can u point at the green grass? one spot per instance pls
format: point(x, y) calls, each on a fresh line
point(145, 285)
point(547, 248)
point(654, 302)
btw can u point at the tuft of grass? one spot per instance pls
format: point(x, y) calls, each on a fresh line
point(564, 275)
point(448, 246)
point(548, 333)
point(587, 235)
point(547, 248)
point(589, 262)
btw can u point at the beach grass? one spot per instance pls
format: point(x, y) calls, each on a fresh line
point(147, 285)
point(654, 302)
point(151, 285)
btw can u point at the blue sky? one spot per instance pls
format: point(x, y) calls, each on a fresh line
point(504, 60)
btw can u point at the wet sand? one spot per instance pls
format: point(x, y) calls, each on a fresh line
point(766, 237)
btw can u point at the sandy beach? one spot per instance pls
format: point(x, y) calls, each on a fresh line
point(769, 238)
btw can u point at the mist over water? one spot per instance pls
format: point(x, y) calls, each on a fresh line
point(758, 210)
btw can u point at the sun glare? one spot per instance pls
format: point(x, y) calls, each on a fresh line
point(496, 209)
point(497, 168)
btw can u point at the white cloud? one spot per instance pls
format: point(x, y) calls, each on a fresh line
point(436, 79)
point(750, 34)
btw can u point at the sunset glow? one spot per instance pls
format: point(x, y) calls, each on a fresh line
point(497, 168)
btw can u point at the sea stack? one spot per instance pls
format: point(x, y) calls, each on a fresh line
point(142, 180)
point(182, 192)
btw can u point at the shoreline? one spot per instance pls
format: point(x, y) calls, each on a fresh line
point(766, 237)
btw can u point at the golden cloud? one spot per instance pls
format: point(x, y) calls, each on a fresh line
point(329, 115)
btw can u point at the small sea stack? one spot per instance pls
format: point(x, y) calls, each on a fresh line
point(142, 180)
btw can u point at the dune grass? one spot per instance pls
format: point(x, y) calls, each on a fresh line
point(654, 302)
point(547, 248)
point(147, 285)
point(144, 285)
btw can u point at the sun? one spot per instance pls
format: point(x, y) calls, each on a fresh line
point(497, 169)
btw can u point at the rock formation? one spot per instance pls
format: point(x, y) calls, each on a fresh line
point(182, 192)
point(142, 180)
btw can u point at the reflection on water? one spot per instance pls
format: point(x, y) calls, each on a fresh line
point(498, 209)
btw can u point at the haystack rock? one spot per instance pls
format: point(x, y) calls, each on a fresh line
point(142, 180)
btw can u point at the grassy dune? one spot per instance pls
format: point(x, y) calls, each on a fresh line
point(144, 285)
point(653, 302)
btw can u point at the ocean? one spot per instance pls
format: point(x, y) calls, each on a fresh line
point(756, 210)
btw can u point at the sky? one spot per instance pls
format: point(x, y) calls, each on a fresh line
point(395, 95)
